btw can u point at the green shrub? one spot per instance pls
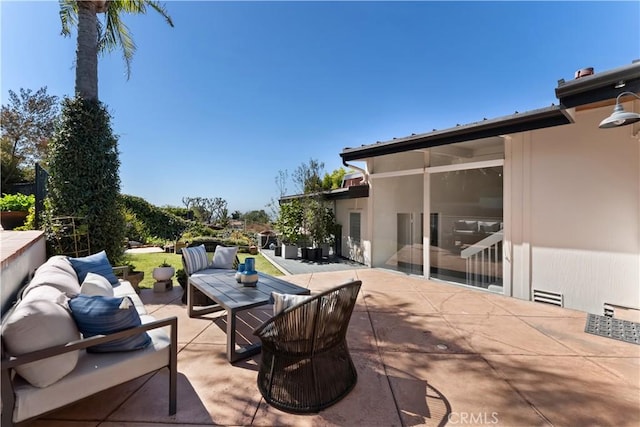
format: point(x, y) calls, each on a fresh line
point(209, 242)
point(134, 228)
point(30, 220)
point(183, 213)
point(158, 222)
point(16, 202)
point(83, 173)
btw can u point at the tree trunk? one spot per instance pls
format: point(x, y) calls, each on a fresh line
point(87, 51)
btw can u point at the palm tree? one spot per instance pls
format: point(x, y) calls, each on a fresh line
point(96, 36)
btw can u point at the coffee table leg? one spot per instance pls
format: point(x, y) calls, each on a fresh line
point(243, 352)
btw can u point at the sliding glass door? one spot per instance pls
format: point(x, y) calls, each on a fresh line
point(466, 226)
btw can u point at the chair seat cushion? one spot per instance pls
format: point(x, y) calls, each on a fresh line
point(94, 372)
point(283, 301)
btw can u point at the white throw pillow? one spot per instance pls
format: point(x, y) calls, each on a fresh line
point(223, 257)
point(283, 301)
point(39, 321)
point(95, 284)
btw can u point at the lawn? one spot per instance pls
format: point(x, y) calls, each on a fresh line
point(147, 262)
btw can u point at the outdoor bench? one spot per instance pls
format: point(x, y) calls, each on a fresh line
point(45, 363)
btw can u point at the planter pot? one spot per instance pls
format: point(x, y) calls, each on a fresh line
point(135, 277)
point(277, 251)
point(162, 274)
point(325, 249)
point(312, 253)
point(12, 219)
point(304, 252)
point(289, 251)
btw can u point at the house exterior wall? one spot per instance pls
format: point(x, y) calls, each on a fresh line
point(396, 162)
point(392, 195)
point(571, 210)
point(574, 212)
point(359, 252)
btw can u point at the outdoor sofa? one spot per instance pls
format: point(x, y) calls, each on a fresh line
point(59, 343)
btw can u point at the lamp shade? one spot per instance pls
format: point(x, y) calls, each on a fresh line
point(619, 117)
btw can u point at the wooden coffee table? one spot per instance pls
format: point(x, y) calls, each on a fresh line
point(233, 297)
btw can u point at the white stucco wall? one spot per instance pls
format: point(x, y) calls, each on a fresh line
point(574, 212)
point(397, 162)
point(392, 195)
point(357, 252)
point(19, 262)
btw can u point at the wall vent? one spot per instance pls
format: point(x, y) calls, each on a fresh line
point(608, 310)
point(548, 297)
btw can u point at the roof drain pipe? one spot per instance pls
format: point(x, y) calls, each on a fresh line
point(365, 174)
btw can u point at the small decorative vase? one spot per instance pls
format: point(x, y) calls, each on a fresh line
point(241, 268)
point(249, 277)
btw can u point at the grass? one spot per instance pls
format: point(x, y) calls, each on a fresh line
point(147, 262)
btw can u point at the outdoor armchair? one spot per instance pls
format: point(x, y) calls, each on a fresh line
point(306, 365)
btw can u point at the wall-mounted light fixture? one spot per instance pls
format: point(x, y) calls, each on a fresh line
point(619, 117)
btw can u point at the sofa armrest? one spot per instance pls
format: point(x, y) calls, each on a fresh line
point(124, 269)
point(13, 361)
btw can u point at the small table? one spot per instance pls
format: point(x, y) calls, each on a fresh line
point(233, 297)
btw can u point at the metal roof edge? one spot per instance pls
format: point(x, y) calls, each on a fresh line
point(518, 122)
point(351, 192)
point(598, 80)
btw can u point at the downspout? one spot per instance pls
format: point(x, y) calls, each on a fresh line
point(365, 174)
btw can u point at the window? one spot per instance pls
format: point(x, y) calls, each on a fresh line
point(354, 227)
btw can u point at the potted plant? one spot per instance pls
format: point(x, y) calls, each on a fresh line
point(321, 224)
point(163, 272)
point(127, 271)
point(14, 209)
point(289, 224)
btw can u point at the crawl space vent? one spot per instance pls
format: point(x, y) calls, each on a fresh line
point(548, 297)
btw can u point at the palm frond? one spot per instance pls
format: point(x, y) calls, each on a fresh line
point(68, 16)
point(117, 34)
point(161, 10)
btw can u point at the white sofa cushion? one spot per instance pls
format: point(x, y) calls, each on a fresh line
point(56, 272)
point(94, 372)
point(125, 288)
point(95, 284)
point(39, 321)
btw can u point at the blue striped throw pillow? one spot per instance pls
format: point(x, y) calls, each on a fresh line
point(96, 263)
point(195, 258)
point(100, 315)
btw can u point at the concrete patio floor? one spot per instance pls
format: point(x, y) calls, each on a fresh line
point(427, 353)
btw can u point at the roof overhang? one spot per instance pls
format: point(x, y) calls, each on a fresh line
point(599, 86)
point(519, 122)
point(352, 192)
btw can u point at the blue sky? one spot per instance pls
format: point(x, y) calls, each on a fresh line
point(237, 91)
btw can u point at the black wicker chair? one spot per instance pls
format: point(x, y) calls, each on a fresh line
point(306, 365)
